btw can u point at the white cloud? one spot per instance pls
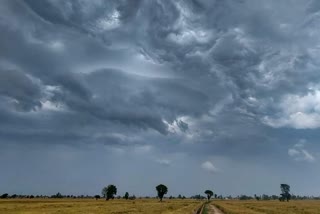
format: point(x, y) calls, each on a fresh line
point(50, 106)
point(293, 152)
point(208, 166)
point(299, 153)
point(300, 112)
point(110, 22)
point(307, 156)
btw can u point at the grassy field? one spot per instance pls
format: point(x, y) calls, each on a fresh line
point(91, 206)
point(268, 207)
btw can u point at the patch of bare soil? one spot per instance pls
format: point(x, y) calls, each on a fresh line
point(214, 210)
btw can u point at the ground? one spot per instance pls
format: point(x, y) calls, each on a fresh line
point(144, 206)
point(268, 207)
point(91, 206)
point(210, 208)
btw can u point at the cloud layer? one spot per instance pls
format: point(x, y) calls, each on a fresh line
point(186, 79)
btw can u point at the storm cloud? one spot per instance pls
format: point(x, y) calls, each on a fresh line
point(175, 86)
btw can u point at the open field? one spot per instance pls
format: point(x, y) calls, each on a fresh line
point(268, 207)
point(176, 206)
point(91, 206)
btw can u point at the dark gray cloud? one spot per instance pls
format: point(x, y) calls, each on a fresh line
point(20, 88)
point(163, 83)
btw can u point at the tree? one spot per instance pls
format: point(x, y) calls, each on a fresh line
point(97, 197)
point(109, 191)
point(285, 192)
point(162, 190)
point(126, 196)
point(256, 197)
point(265, 197)
point(58, 195)
point(198, 197)
point(245, 197)
point(209, 194)
point(5, 195)
point(132, 197)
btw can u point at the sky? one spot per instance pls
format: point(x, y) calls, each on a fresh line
point(197, 94)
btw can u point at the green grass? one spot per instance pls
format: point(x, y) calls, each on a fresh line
point(205, 209)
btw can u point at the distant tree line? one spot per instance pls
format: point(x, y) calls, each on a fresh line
point(110, 192)
point(178, 197)
point(58, 195)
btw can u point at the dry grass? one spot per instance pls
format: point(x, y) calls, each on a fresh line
point(91, 206)
point(268, 207)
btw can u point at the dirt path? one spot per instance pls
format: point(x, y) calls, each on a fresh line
point(214, 210)
point(199, 210)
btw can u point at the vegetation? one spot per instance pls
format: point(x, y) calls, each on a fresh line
point(162, 190)
point(109, 192)
point(209, 194)
point(198, 197)
point(256, 204)
point(132, 197)
point(126, 196)
point(205, 209)
point(58, 195)
point(85, 206)
point(256, 197)
point(5, 195)
point(270, 207)
point(285, 195)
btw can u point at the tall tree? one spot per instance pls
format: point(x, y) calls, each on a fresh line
point(209, 194)
point(285, 192)
point(162, 190)
point(109, 191)
point(256, 197)
point(126, 196)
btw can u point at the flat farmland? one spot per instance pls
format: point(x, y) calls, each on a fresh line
point(268, 207)
point(91, 206)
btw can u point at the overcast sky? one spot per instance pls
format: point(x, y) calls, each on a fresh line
point(199, 94)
